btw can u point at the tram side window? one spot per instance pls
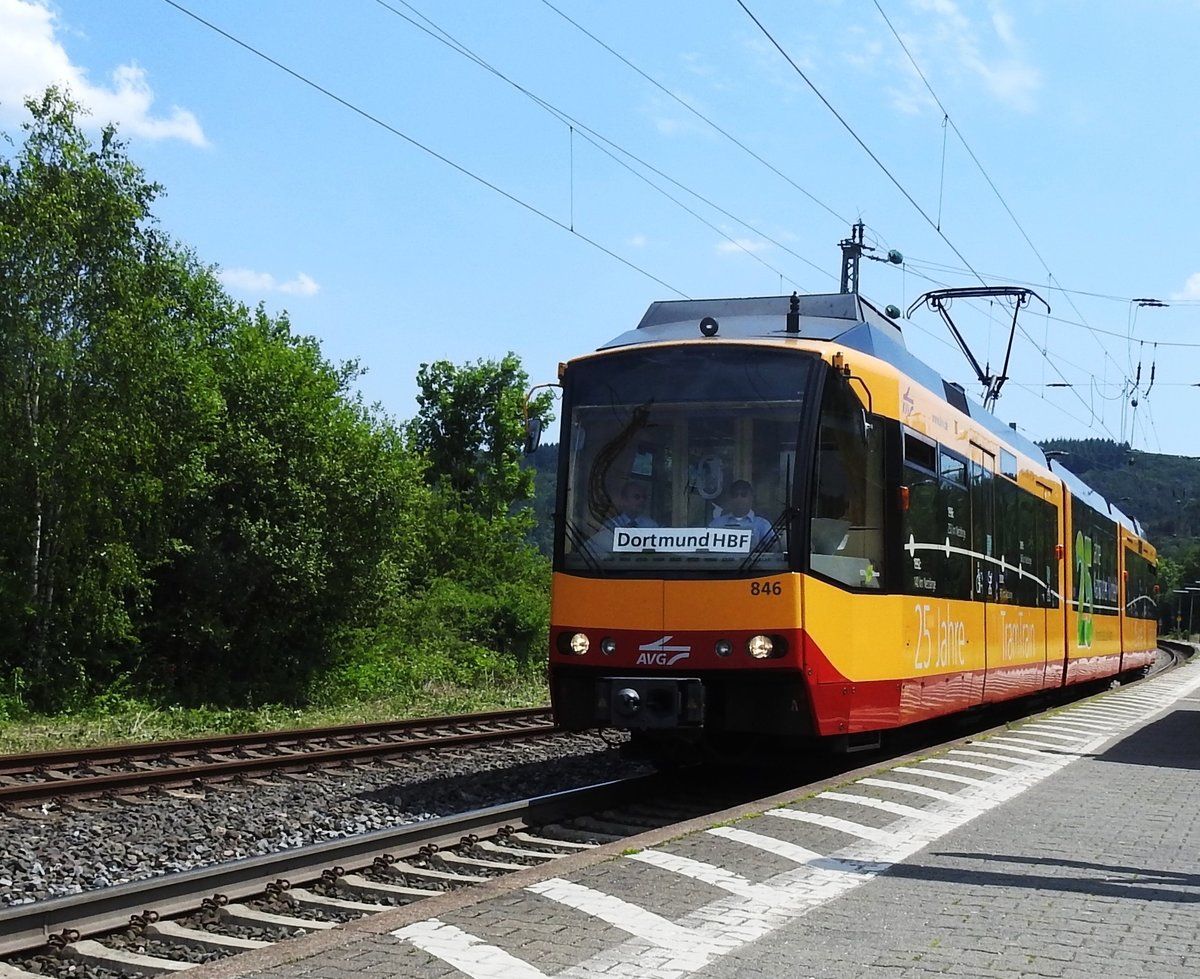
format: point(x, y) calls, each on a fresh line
point(1046, 562)
point(934, 528)
point(954, 513)
point(985, 580)
point(1141, 601)
point(1006, 500)
point(1016, 543)
point(1095, 561)
point(922, 520)
point(846, 530)
point(1107, 591)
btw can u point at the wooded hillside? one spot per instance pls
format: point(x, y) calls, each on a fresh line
point(1162, 492)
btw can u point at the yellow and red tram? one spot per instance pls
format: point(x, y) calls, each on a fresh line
point(775, 524)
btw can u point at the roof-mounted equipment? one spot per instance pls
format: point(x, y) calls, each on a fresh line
point(942, 299)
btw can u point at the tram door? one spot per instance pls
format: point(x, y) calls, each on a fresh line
point(985, 582)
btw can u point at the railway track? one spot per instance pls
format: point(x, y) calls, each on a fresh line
point(176, 921)
point(89, 772)
point(228, 908)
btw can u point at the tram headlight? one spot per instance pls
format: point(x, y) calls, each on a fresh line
point(724, 647)
point(760, 647)
point(573, 643)
point(766, 647)
point(608, 645)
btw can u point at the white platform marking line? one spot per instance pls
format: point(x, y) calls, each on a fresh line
point(1109, 708)
point(1139, 698)
point(629, 917)
point(1150, 701)
point(970, 765)
point(1039, 732)
point(1107, 704)
point(1150, 710)
point(1112, 713)
point(1127, 710)
point(885, 783)
point(833, 822)
point(996, 756)
point(1012, 744)
point(1105, 716)
point(1032, 739)
point(760, 841)
point(707, 873)
point(1080, 727)
point(465, 952)
point(895, 808)
point(824, 866)
point(1109, 719)
point(731, 922)
point(1035, 739)
point(1083, 720)
point(944, 776)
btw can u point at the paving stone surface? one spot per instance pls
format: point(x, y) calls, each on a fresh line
point(1066, 847)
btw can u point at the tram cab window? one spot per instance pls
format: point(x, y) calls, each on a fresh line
point(690, 427)
point(846, 525)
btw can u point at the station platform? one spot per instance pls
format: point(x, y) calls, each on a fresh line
point(1066, 845)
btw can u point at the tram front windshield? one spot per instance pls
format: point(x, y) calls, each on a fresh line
point(683, 459)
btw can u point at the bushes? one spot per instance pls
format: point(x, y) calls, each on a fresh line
point(197, 507)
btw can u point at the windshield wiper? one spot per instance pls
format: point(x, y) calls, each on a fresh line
point(769, 539)
point(575, 535)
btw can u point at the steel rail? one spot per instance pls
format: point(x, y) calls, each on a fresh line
point(198, 772)
point(24, 763)
point(29, 926)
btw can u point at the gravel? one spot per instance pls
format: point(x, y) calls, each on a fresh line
point(58, 851)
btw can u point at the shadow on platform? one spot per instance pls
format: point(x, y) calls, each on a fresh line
point(1077, 877)
point(1172, 741)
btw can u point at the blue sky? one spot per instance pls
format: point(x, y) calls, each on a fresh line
point(440, 211)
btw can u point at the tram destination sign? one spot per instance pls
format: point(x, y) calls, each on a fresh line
point(682, 540)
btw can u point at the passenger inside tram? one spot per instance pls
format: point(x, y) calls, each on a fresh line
point(739, 513)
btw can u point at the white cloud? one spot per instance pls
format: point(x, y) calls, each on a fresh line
point(32, 58)
point(671, 118)
point(259, 283)
point(1006, 74)
point(1191, 288)
point(740, 246)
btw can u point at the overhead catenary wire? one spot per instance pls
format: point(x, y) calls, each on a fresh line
point(346, 103)
point(947, 120)
point(568, 226)
point(697, 113)
point(858, 139)
point(439, 34)
point(970, 152)
point(996, 276)
point(850, 129)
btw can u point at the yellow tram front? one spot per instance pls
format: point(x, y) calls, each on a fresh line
point(699, 479)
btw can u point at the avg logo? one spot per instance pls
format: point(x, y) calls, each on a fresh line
point(655, 653)
point(908, 405)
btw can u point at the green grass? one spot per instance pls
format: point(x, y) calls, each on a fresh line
point(126, 720)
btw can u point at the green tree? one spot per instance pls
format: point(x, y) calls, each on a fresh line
point(193, 501)
point(470, 425)
point(484, 585)
point(95, 393)
point(303, 531)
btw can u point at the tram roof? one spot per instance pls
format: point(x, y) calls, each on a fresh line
point(850, 320)
point(1081, 491)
